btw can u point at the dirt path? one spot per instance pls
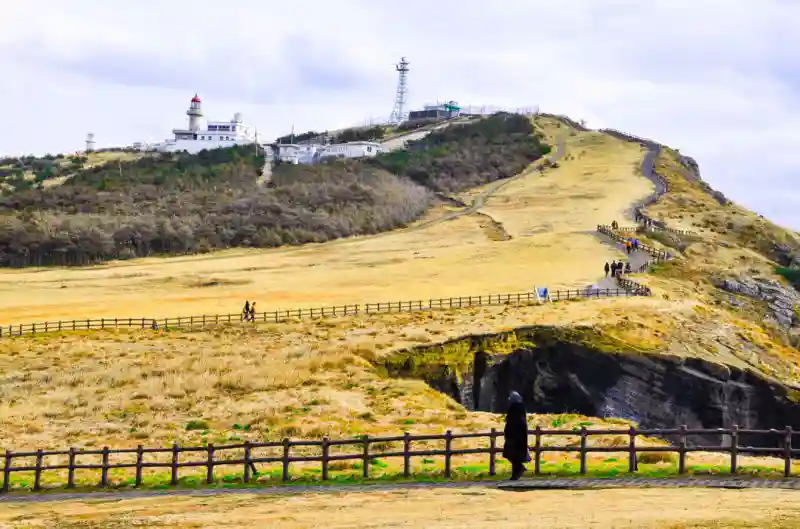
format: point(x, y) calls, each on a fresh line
point(511, 486)
point(480, 200)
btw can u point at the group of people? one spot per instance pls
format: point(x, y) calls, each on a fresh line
point(641, 219)
point(249, 311)
point(616, 269)
point(631, 245)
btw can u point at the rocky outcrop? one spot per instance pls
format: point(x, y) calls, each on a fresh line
point(556, 373)
point(785, 255)
point(782, 301)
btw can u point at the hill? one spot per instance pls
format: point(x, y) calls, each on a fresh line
point(180, 203)
point(711, 347)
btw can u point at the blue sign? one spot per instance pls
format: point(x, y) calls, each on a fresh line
point(542, 292)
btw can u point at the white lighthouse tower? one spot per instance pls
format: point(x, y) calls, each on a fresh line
point(90, 143)
point(194, 113)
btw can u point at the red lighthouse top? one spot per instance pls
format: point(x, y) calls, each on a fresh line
point(195, 99)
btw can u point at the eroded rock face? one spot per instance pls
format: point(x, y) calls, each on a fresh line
point(655, 391)
point(782, 301)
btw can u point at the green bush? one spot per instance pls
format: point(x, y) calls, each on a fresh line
point(792, 275)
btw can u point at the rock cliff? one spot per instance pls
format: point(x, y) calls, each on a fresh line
point(561, 374)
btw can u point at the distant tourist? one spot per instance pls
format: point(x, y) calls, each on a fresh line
point(628, 268)
point(607, 268)
point(515, 433)
point(613, 268)
point(246, 311)
point(253, 312)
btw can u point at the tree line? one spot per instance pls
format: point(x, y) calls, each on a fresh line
point(176, 203)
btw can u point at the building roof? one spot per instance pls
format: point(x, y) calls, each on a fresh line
point(196, 99)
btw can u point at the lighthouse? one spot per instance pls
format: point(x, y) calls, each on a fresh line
point(194, 113)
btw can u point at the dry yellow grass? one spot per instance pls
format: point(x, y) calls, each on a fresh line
point(467, 507)
point(304, 379)
point(310, 379)
point(458, 257)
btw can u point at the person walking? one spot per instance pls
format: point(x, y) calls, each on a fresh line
point(253, 311)
point(246, 311)
point(607, 268)
point(515, 448)
point(613, 268)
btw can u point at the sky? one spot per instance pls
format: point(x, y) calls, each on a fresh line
point(717, 79)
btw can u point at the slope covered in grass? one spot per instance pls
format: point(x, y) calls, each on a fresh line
point(180, 203)
point(462, 156)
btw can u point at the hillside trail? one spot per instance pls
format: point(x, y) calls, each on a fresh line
point(637, 259)
point(543, 483)
point(480, 200)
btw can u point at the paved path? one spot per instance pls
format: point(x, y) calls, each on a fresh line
point(542, 483)
point(637, 260)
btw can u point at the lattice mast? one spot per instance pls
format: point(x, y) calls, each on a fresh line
point(398, 113)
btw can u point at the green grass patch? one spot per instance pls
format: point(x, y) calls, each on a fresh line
point(381, 471)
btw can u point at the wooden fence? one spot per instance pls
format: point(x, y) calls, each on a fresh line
point(658, 255)
point(642, 227)
point(243, 455)
point(187, 322)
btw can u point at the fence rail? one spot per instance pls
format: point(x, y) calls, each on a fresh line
point(242, 455)
point(277, 316)
point(658, 255)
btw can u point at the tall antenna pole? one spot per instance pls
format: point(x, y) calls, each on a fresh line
point(398, 112)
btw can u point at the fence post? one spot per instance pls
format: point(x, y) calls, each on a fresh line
point(71, 469)
point(174, 466)
point(104, 470)
point(537, 450)
point(406, 454)
point(37, 477)
point(286, 445)
point(584, 436)
point(102, 323)
point(6, 472)
point(247, 461)
point(59, 325)
point(787, 451)
point(632, 450)
point(210, 463)
point(492, 448)
point(682, 450)
point(448, 455)
point(734, 448)
point(366, 455)
point(139, 457)
point(325, 450)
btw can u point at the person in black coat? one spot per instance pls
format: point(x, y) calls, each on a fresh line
point(515, 448)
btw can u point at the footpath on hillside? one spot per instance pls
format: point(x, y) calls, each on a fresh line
point(543, 483)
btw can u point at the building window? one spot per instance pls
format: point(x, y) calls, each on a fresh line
point(369, 149)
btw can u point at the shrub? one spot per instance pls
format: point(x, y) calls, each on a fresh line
point(174, 203)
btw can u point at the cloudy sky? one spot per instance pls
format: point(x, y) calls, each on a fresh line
point(718, 79)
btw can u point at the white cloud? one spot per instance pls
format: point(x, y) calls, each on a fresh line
point(715, 78)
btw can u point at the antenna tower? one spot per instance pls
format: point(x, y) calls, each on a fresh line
point(398, 112)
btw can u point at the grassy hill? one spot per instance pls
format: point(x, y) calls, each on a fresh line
point(325, 377)
point(180, 203)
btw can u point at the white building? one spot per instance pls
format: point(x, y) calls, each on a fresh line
point(312, 153)
point(201, 134)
